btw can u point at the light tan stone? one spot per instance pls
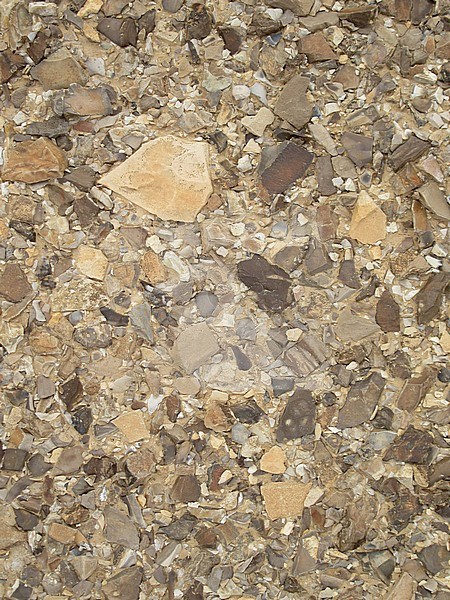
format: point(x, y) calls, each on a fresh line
point(368, 224)
point(194, 347)
point(216, 419)
point(65, 534)
point(132, 426)
point(34, 161)
point(76, 295)
point(257, 124)
point(154, 270)
point(284, 499)
point(59, 71)
point(91, 262)
point(404, 589)
point(167, 177)
point(274, 461)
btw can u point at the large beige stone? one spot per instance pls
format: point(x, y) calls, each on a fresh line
point(194, 347)
point(284, 499)
point(91, 262)
point(34, 161)
point(368, 224)
point(167, 177)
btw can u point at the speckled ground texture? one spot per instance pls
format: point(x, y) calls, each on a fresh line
point(223, 278)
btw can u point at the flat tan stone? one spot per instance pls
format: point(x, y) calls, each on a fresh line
point(91, 262)
point(154, 270)
point(168, 177)
point(34, 161)
point(274, 461)
point(284, 499)
point(256, 124)
point(77, 295)
point(59, 71)
point(368, 224)
point(65, 535)
point(132, 426)
point(194, 347)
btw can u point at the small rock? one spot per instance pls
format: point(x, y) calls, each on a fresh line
point(249, 413)
point(317, 259)
point(82, 420)
point(194, 347)
point(122, 32)
point(186, 489)
point(358, 147)
point(232, 39)
point(147, 23)
point(85, 102)
point(316, 48)
point(84, 565)
point(298, 418)
point(70, 460)
point(14, 285)
point(71, 392)
point(435, 558)
point(293, 105)
point(216, 418)
point(141, 463)
point(282, 165)
point(430, 296)
point(52, 128)
point(172, 6)
point(413, 446)
point(301, 8)
point(325, 175)
point(25, 520)
point(368, 224)
point(58, 71)
point(82, 177)
point(258, 123)
point(94, 337)
point(86, 210)
point(206, 303)
point(14, 459)
point(132, 426)
point(119, 529)
point(407, 152)
point(140, 317)
point(360, 16)
point(65, 535)
point(91, 262)
point(176, 187)
point(348, 275)
point(10, 64)
point(273, 461)
point(433, 198)
point(404, 589)
point(361, 401)
point(199, 23)
point(388, 313)
point(351, 327)
point(154, 270)
point(415, 390)
point(34, 161)
point(284, 499)
point(124, 585)
point(271, 283)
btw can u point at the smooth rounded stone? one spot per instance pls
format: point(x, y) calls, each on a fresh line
point(176, 187)
point(206, 303)
point(444, 375)
point(34, 161)
point(239, 433)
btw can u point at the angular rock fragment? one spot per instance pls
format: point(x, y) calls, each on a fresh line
point(84, 102)
point(325, 175)
point(257, 124)
point(10, 64)
point(175, 188)
point(132, 426)
point(306, 355)
point(283, 165)
point(119, 529)
point(14, 285)
point(317, 259)
point(361, 401)
point(405, 588)
point(186, 489)
point(433, 198)
point(348, 275)
point(293, 105)
point(270, 283)
point(351, 327)
point(414, 390)
point(430, 296)
point(316, 48)
point(82, 177)
point(232, 38)
point(141, 463)
point(147, 23)
point(388, 313)
point(194, 347)
point(84, 295)
point(94, 337)
point(34, 161)
point(284, 499)
point(298, 418)
point(413, 446)
point(368, 224)
point(91, 262)
point(357, 523)
point(248, 413)
point(435, 558)
point(141, 319)
point(52, 128)
point(360, 16)
point(274, 461)
point(358, 147)
point(153, 269)
point(407, 152)
point(124, 585)
point(199, 23)
point(58, 71)
point(122, 32)
point(301, 8)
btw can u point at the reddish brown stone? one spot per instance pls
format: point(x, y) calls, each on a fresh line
point(316, 48)
point(186, 489)
point(413, 446)
point(14, 285)
point(290, 164)
point(388, 313)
